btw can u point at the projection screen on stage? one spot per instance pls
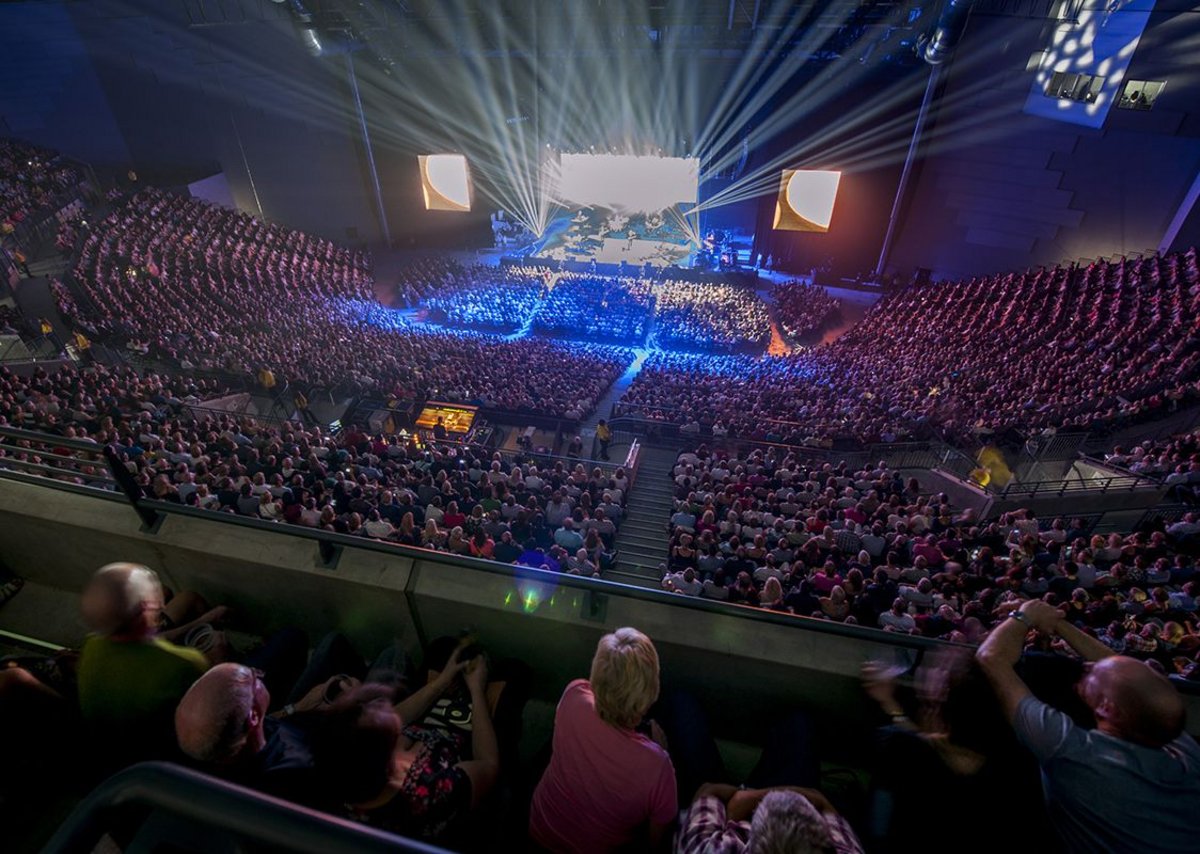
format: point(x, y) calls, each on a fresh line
point(626, 182)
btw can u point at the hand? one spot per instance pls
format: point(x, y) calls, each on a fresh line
point(1043, 617)
point(216, 615)
point(744, 802)
point(477, 675)
point(315, 698)
point(456, 665)
point(877, 684)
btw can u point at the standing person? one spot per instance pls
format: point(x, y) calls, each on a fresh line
point(22, 263)
point(604, 437)
point(1130, 784)
point(608, 785)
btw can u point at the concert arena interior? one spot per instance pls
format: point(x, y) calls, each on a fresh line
point(599, 425)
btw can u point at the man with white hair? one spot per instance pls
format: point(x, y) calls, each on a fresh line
point(129, 678)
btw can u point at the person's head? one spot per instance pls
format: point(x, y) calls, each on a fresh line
point(624, 677)
point(122, 600)
point(786, 822)
point(1133, 702)
point(220, 718)
point(355, 746)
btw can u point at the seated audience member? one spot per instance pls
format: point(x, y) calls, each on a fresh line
point(1130, 784)
point(608, 785)
point(778, 808)
point(223, 724)
point(727, 819)
point(399, 770)
point(955, 743)
point(130, 680)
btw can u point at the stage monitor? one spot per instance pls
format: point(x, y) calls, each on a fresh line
point(445, 182)
point(806, 199)
point(456, 418)
point(628, 183)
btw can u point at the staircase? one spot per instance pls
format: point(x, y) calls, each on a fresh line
point(642, 537)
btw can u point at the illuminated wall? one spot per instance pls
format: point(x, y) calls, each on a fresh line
point(1009, 190)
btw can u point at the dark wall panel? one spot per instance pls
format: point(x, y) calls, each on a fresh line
point(49, 93)
point(1000, 190)
point(241, 97)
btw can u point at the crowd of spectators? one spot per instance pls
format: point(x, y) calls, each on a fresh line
point(793, 399)
point(1176, 460)
point(596, 308)
point(1086, 348)
point(497, 299)
point(557, 514)
point(868, 547)
point(200, 286)
point(710, 316)
point(803, 309)
point(32, 179)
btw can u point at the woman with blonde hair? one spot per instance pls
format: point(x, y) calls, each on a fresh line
point(431, 537)
point(608, 786)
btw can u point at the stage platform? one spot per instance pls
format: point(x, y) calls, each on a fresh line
point(613, 250)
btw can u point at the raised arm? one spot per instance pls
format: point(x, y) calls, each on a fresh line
point(414, 707)
point(484, 766)
point(1080, 641)
point(998, 655)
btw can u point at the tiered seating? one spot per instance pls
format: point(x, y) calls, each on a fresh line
point(219, 289)
point(867, 547)
point(1064, 348)
point(32, 179)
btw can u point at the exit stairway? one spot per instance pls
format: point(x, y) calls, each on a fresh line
point(642, 537)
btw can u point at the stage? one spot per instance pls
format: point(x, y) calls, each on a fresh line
point(612, 250)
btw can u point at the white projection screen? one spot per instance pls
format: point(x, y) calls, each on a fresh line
point(806, 198)
point(626, 182)
point(445, 182)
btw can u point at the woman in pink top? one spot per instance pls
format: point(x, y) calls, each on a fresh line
point(607, 786)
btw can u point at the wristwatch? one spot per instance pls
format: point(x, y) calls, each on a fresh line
point(1020, 618)
point(288, 711)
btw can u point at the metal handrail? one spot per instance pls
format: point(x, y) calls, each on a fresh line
point(330, 543)
point(69, 465)
point(242, 814)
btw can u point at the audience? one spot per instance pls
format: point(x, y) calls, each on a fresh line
point(1128, 784)
point(194, 286)
point(1087, 348)
point(774, 530)
point(804, 309)
point(129, 678)
point(596, 308)
point(710, 316)
point(610, 784)
point(204, 287)
point(498, 299)
point(32, 181)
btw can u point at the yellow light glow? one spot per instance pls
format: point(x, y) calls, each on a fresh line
point(445, 182)
point(806, 200)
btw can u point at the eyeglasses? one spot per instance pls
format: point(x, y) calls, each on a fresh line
point(255, 674)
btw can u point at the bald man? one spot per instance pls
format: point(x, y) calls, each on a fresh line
point(1130, 784)
point(129, 678)
point(222, 723)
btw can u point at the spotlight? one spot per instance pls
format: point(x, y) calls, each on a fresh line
point(936, 46)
